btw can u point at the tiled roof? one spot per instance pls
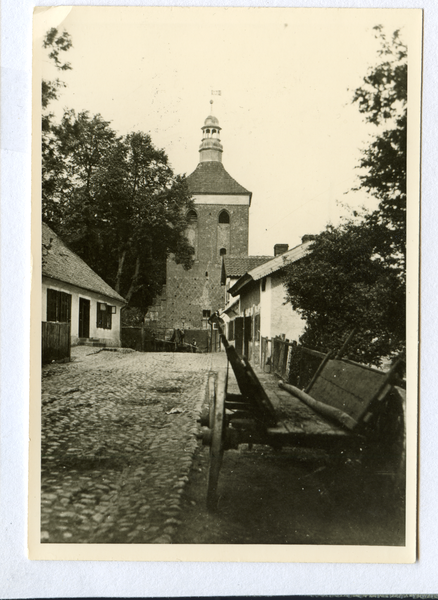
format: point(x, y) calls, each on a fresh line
point(271, 266)
point(277, 263)
point(60, 263)
point(236, 266)
point(210, 177)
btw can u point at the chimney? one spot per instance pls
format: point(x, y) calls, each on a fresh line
point(307, 237)
point(280, 249)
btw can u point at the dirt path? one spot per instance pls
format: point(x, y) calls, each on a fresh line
point(287, 497)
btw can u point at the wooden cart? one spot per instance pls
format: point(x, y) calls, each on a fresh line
point(346, 407)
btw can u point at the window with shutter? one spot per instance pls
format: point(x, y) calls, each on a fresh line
point(58, 306)
point(104, 316)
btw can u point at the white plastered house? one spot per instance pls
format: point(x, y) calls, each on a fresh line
point(72, 292)
point(262, 309)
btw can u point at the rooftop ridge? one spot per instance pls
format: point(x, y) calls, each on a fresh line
point(62, 264)
point(210, 177)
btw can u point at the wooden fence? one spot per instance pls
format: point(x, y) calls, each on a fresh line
point(169, 346)
point(56, 343)
point(293, 363)
point(144, 339)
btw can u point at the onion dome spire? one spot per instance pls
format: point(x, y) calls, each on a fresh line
point(211, 147)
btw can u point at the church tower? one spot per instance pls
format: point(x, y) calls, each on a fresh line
point(218, 226)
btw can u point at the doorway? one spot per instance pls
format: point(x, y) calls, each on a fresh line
point(247, 337)
point(84, 318)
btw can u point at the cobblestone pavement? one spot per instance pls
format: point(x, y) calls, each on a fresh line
point(118, 437)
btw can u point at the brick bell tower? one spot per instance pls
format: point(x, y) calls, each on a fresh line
point(218, 226)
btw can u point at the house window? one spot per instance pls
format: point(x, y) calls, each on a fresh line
point(104, 316)
point(222, 251)
point(263, 284)
point(58, 306)
point(224, 217)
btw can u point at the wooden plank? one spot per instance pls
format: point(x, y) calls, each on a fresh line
point(250, 387)
point(322, 408)
point(294, 417)
point(318, 371)
point(313, 352)
point(348, 387)
point(55, 341)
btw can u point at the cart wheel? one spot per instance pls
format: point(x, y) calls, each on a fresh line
point(217, 441)
point(212, 401)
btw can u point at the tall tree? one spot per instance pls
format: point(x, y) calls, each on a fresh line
point(382, 99)
point(113, 198)
point(343, 285)
point(55, 43)
point(118, 205)
point(354, 276)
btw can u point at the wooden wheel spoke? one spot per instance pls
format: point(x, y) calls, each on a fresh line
point(217, 441)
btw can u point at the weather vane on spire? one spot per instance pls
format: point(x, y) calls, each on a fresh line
point(214, 93)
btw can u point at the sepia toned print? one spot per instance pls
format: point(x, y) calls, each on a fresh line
point(228, 359)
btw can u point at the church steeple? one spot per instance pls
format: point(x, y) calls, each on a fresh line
point(211, 148)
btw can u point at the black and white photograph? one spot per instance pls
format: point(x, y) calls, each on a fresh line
point(225, 319)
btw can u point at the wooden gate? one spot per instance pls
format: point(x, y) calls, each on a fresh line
point(55, 341)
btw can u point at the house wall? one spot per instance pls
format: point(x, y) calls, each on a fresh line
point(265, 308)
point(250, 300)
point(230, 281)
point(111, 337)
point(284, 320)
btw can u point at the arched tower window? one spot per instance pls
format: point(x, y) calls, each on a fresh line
point(224, 217)
point(223, 233)
point(192, 217)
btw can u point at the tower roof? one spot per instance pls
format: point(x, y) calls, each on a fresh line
point(210, 177)
point(211, 121)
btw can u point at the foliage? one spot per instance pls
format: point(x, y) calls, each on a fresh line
point(55, 43)
point(114, 199)
point(132, 317)
point(354, 276)
point(342, 284)
point(116, 202)
point(383, 100)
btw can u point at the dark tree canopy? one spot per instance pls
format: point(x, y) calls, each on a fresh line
point(343, 285)
point(114, 199)
point(354, 276)
point(383, 101)
point(55, 43)
point(116, 202)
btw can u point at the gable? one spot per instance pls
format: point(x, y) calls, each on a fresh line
point(62, 264)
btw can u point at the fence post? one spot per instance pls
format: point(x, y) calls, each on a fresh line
point(285, 355)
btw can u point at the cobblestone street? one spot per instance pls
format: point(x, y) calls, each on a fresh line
point(118, 437)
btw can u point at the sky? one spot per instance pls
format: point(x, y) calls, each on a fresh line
point(290, 132)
